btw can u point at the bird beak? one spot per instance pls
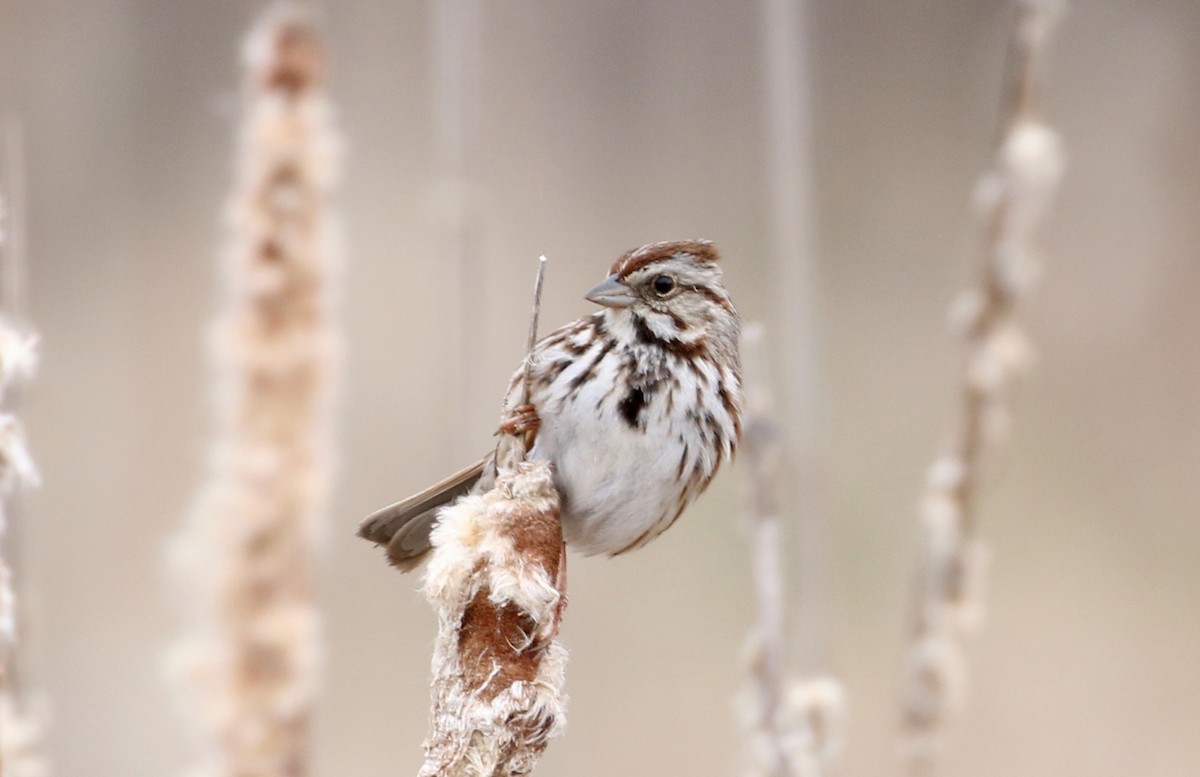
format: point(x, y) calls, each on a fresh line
point(612, 294)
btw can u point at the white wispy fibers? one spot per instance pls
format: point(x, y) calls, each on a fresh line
point(495, 580)
point(22, 724)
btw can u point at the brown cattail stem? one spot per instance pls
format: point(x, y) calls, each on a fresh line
point(1012, 198)
point(247, 556)
point(497, 582)
point(498, 670)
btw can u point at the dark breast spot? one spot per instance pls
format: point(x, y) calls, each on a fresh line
point(631, 406)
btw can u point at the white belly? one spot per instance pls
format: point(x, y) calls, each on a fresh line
point(620, 484)
point(626, 469)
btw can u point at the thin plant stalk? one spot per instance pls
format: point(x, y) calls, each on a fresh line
point(791, 728)
point(795, 311)
point(246, 558)
point(1011, 199)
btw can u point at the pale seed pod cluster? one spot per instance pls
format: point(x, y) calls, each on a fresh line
point(1011, 200)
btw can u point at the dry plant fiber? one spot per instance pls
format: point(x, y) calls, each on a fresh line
point(247, 554)
point(499, 672)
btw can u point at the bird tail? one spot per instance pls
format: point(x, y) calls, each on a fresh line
point(403, 528)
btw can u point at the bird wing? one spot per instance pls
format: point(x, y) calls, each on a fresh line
point(404, 526)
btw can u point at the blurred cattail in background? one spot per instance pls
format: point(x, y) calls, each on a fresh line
point(794, 345)
point(1011, 199)
point(247, 555)
point(21, 723)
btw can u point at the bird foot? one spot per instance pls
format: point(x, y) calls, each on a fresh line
point(524, 422)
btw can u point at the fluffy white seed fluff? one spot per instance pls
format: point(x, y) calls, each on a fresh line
point(497, 691)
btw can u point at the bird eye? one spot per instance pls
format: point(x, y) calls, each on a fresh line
point(664, 285)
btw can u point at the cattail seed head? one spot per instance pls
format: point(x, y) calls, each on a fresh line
point(495, 582)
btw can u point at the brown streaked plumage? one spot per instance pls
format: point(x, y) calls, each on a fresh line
point(638, 404)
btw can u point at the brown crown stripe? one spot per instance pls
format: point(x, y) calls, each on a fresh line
point(638, 258)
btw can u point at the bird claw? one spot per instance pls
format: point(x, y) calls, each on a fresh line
point(524, 422)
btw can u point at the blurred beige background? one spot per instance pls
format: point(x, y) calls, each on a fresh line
point(604, 126)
